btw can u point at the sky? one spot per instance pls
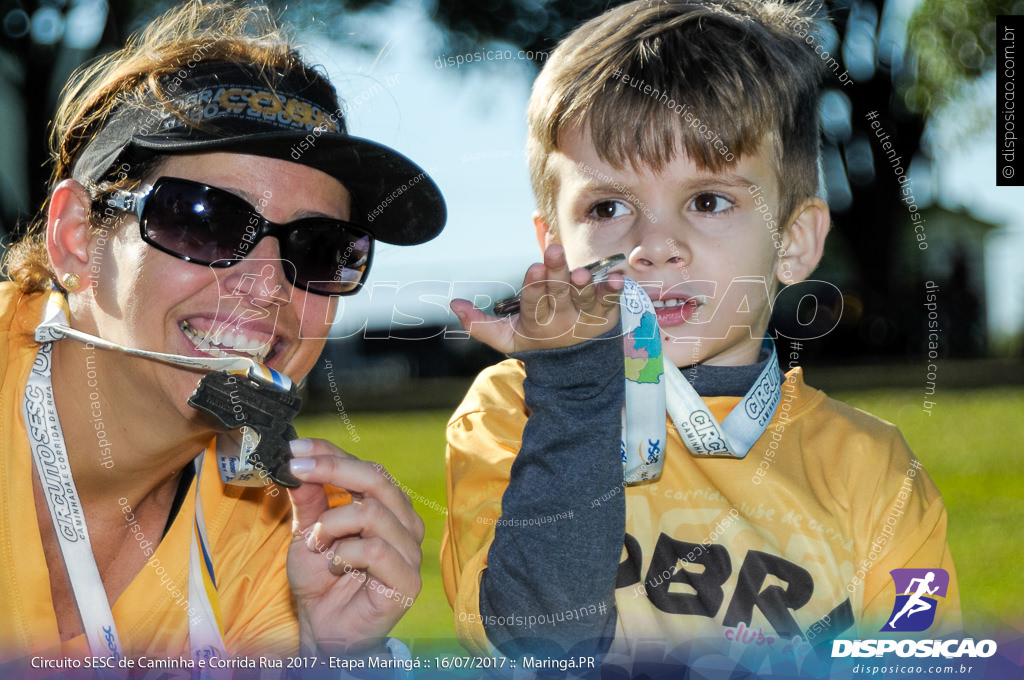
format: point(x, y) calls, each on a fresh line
point(466, 127)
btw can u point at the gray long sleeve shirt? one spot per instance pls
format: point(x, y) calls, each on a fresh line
point(569, 457)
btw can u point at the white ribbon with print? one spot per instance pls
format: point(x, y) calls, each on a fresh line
point(648, 396)
point(50, 453)
point(644, 431)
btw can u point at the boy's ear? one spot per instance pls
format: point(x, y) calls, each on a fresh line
point(67, 229)
point(804, 241)
point(545, 234)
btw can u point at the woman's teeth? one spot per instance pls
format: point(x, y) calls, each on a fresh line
point(216, 346)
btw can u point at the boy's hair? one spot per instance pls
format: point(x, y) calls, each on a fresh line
point(744, 70)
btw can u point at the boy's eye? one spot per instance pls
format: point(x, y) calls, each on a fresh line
point(711, 203)
point(606, 210)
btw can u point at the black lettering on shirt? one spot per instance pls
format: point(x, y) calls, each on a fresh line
point(774, 602)
point(629, 568)
point(713, 569)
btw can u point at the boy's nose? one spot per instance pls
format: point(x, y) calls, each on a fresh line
point(658, 249)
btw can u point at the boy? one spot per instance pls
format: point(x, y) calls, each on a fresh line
point(671, 132)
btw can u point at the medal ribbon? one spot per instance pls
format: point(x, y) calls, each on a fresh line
point(50, 454)
point(51, 460)
point(654, 385)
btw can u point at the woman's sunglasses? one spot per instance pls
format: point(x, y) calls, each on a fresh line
point(213, 227)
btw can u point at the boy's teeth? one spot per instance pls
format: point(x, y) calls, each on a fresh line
point(225, 339)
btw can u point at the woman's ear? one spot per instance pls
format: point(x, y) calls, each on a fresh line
point(804, 241)
point(545, 234)
point(67, 230)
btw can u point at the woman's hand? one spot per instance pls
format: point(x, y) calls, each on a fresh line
point(558, 308)
point(355, 568)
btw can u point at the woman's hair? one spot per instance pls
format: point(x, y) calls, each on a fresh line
point(180, 39)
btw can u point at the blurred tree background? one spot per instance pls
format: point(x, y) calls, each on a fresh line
point(907, 76)
point(908, 60)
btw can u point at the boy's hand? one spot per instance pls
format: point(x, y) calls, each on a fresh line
point(559, 308)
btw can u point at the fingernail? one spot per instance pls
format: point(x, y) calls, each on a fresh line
point(298, 446)
point(301, 466)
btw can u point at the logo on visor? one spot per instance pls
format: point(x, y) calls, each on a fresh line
point(288, 112)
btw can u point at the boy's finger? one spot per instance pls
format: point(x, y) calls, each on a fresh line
point(584, 292)
point(592, 312)
point(544, 291)
point(580, 277)
point(554, 260)
point(608, 291)
point(493, 331)
point(599, 308)
point(556, 277)
point(598, 296)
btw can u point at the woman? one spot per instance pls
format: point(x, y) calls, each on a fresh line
point(207, 205)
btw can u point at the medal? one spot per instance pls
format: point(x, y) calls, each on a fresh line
point(263, 411)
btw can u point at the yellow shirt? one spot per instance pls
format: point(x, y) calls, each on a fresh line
point(764, 550)
point(248, 530)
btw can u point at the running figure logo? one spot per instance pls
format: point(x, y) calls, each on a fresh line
point(914, 610)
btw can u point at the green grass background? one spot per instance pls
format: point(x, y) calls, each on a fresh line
point(971, 444)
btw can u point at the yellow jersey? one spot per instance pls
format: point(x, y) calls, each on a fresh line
point(249, 532)
point(784, 549)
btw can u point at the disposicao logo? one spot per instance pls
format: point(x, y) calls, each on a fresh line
point(917, 600)
point(914, 609)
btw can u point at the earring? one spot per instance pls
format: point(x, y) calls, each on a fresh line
point(71, 281)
